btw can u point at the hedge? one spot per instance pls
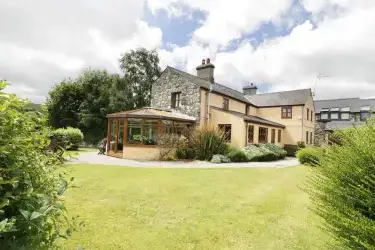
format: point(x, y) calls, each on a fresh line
point(68, 138)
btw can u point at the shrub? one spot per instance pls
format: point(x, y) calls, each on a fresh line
point(310, 156)
point(277, 149)
point(237, 155)
point(32, 214)
point(207, 142)
point(220, 159)
point(253, 153)
point(185, 153)
point(68, 138)
point(343, 186)
point(169, 144)
point(300, 145)
point(291, 150)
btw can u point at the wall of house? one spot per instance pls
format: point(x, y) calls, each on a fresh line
point(252, 111)
point(293, 127)
point(308, 125)
point(203, 99)
point(170, 82)
point(141, 153)
point(238, 136)
point(217, 100)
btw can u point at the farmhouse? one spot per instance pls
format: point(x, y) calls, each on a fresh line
point(180, 101)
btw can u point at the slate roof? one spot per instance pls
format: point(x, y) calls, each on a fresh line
point(218, 88)
point(355, 104)
point(154, 113)
point(332, 125)
point(252, 118)
point(285, 98)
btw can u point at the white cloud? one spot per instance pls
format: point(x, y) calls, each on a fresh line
point(41, 44)
point(340, 46)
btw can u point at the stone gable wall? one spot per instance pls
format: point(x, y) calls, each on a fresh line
point(171, 82)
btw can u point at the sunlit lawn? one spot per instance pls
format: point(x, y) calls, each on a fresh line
point(139, 208)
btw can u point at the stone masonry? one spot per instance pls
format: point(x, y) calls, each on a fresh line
point(171, 82)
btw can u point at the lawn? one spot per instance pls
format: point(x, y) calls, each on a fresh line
point(140, 208)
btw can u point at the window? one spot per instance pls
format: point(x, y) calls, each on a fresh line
point(175, 101)
point(250, 134)
point(365, 108)
point(365, 115)
point(286, 112)
point(134, 131)
point(263, 135)
point(150, 132)
point(317, 117)
point(308, 114)
point(345, 116)
point(273, 135)
point(311, 137)
point(346, 109)
point(312, 115)
point(226, 104)
point(279, 136)
point(334, 109)
point(334, 116)
point(324, 116)
point(307, 137)
point(227, 129)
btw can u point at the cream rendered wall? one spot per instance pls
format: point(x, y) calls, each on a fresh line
point(141, 153)
point(238, 137)
point(218, 100)
point(308, 125)
point(252, 111)
point(293, 127)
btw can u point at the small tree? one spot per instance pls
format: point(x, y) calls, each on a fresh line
point(208, 141)
point(32, 215)
point(169, 143)
point(343, 187)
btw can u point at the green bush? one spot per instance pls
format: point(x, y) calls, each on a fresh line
point(237, 155)
point(32, 214)
point(207, 142)
point(291, 150)
point(220, 159)
point(310, 156)
point(185, 153)
point(277, 149)
point(253, 152)
point(68, 138)
point(343, 186)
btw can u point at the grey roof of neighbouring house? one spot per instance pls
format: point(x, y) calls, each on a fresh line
point(251, 118)
point(285, 98)
point(294, 97)
point(332, 125)
point(355, 104)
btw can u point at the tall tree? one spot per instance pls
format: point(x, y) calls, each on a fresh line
point(141, 68)
point(63, 104)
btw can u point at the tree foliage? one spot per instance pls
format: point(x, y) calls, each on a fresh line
point(343, 187)
point(141, 68)
point(32, 215)
point(85, 101)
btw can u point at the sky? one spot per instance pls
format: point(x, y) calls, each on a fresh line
point(325, 45)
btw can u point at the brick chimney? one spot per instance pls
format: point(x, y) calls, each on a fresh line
point(206, 70)
point(250, 89)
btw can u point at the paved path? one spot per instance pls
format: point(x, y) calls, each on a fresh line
point(93, 158)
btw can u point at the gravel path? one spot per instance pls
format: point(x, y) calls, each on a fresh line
point(93, 158)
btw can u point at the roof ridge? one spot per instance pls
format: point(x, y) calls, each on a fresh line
point(277, 92)
point(336, 99)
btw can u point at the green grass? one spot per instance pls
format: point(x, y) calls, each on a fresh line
point(135, 208)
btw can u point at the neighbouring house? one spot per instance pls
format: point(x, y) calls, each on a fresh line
point(339, 114)
point(180, 100)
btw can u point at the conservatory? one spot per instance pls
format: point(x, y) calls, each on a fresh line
point(134, 134)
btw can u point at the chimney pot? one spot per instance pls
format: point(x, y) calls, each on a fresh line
point(208, 60)
point(206, 70)
point(203, 62)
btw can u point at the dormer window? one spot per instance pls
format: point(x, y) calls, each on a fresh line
point(345, 115)
point(324, 114)
point(334, 113)
point(365, 113)
point(175, 100)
